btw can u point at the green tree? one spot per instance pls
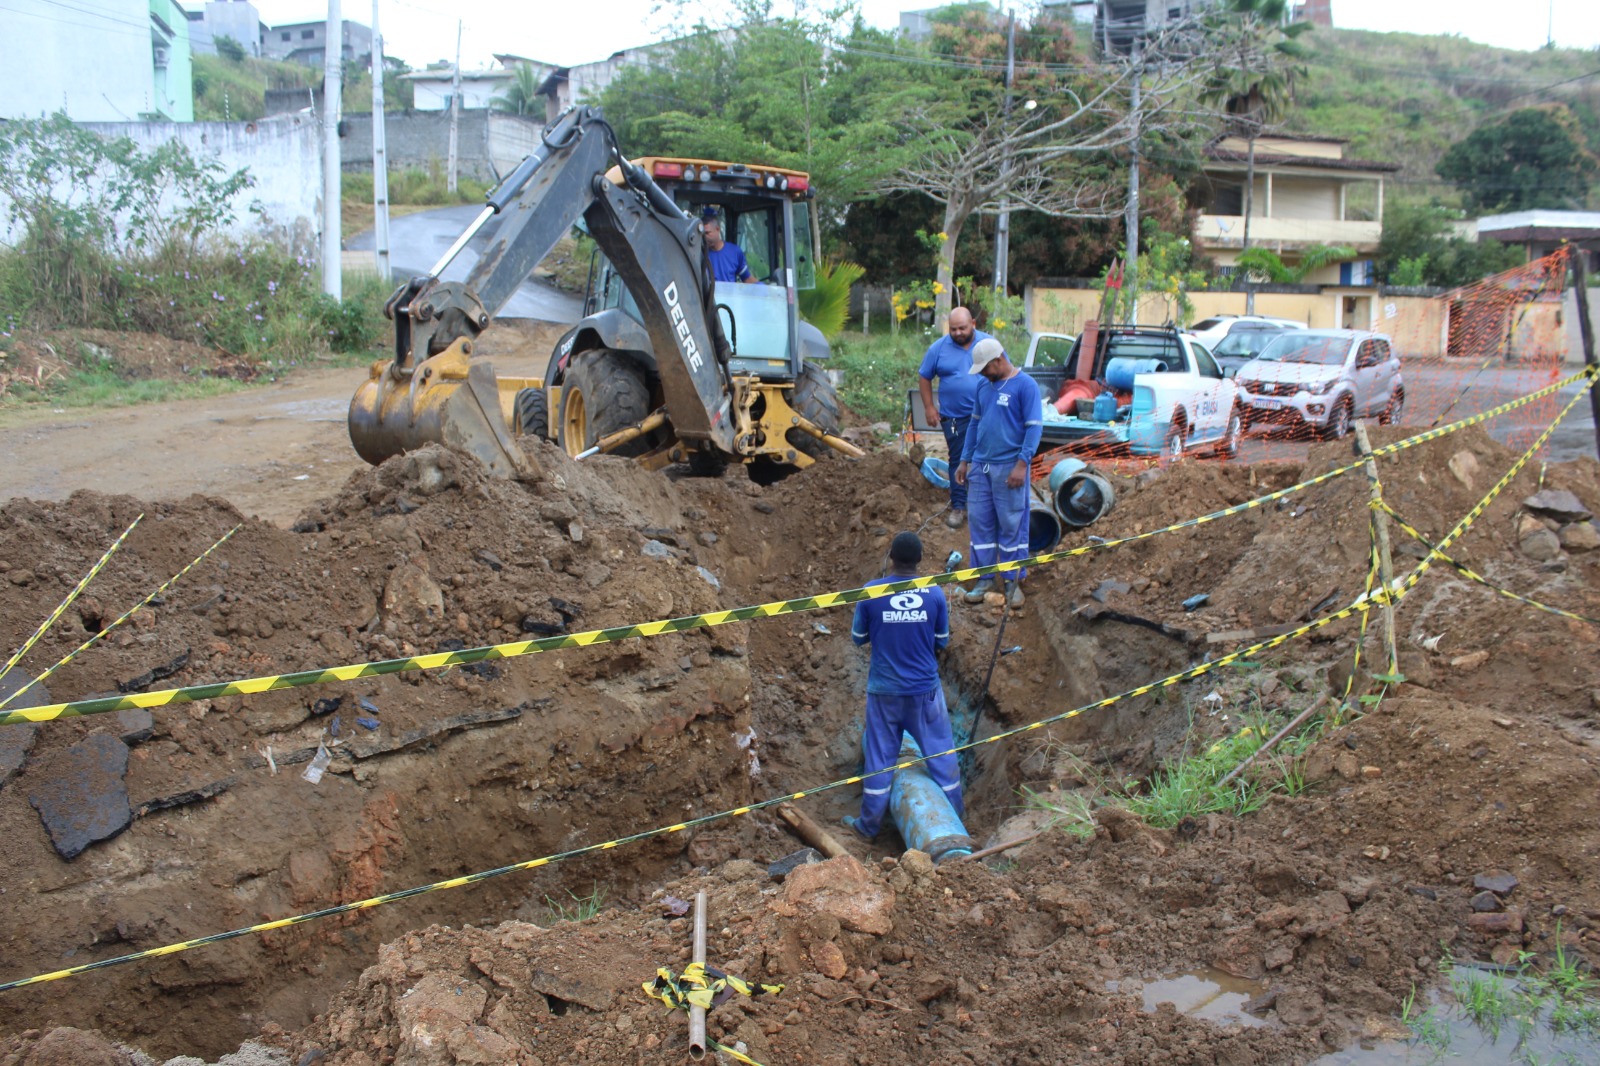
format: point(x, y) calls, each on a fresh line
point(521, 96)
point(230, 49)
point(1312, 259)
point(1420, 247)
point(1532, 158)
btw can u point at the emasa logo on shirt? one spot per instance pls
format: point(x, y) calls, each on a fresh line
point(906, 607)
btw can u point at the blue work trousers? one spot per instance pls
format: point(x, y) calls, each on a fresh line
point(997, 517)
point(927, 719)
point(955, 438)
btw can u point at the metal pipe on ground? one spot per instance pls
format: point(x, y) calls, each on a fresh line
point(1080, 496)
point(697, 1015)
point(1044, 526)
point(923, 813)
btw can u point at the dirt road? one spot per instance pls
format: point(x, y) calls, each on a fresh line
point(269, 451)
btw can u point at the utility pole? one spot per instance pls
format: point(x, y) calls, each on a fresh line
point(1002, 230)
point(332, 88)
point(455, 113)
point(380, 156)
point(1130, 222)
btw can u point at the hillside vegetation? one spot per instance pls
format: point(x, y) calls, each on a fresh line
point(1405, 98)
point(235, 89)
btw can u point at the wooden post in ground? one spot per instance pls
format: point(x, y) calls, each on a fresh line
point(1380, 525)
point(1586, 330)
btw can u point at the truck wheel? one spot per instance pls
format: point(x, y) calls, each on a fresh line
point(1172, 450)
point(1391, 411)
point(815, 398)
point(533, 413)
point(1228, 446)
point(604, 391)
point(1339, 421)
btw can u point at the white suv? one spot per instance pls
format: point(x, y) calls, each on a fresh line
point(1210, 331)
point(1323, 378)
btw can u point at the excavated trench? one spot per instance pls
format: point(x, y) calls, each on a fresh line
point(440, 774)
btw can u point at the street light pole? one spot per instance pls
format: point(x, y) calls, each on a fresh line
point(1002, 230)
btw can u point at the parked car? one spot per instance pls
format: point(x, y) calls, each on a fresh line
point(1211, 331)
point(1243, 344)
point(1323, 378)
point(1176, 397)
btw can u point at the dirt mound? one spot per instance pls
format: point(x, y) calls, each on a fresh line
point(1330, 903)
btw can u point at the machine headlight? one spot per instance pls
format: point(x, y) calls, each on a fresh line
point(1317, 388)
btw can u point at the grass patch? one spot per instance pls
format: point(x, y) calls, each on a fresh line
point(877, 370)
point(1070, 812)
point(576, 908)
point(102, 386)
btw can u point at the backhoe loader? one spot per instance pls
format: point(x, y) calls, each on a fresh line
point(668, 365)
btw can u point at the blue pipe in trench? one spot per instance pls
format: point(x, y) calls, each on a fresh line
point(923, 813)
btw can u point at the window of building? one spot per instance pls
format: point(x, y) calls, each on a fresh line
point(286, 35)
point(1227, 198)
point(306, 35)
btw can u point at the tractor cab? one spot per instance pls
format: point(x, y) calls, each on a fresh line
point(766, 212)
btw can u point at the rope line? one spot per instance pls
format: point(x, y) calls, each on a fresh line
point(515, 649)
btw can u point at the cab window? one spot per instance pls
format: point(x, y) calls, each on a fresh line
point(1208, 366)
point(755, 237)
point(805, 269)
point(1052, 351)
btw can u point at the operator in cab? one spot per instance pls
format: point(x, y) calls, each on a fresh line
point(727, 259)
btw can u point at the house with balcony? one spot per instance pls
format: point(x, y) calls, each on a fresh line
point(306, 42)
point(112, 61)
point(1307, 191)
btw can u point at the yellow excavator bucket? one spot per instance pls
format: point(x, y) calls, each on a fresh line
point(448, 399)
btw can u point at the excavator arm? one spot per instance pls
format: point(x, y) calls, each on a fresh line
point(578, 171)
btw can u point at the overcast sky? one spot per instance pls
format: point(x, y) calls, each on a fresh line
point(574, 31)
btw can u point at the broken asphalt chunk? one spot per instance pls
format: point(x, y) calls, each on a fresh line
point(781, 868)
point(17, 740)
point(151, 676)
point(80, 794)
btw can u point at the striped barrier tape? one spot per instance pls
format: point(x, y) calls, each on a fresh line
point(515, 649)
point(44, 627)
point(1363, 603)
point(129, 613)
point(705, 987)
point(1472, 575)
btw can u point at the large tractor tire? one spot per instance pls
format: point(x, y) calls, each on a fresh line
point(604, 391)
point(533, 414)
point(814, 397)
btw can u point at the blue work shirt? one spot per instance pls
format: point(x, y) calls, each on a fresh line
point(903, 628)
point(1007, 419)
point(952, 365)
point(728, 262)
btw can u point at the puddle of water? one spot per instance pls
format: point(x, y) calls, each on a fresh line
point(1445, 1033)
point(1207, 994)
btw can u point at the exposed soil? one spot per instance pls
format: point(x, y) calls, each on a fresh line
point(1335, 902)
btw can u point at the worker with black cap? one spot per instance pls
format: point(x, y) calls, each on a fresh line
point(903, 688)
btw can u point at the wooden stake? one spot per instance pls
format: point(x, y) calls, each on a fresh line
point(1380, 527)
point(810, 832)
point(697, 1015)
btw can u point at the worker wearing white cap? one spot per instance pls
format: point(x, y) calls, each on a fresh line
point(1004, 433)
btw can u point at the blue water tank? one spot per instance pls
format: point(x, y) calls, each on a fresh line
point(1120, 372)
point(1105, 407)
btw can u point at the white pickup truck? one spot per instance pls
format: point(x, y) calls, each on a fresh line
point(1171, 396)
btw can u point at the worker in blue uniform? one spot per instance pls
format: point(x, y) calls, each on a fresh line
point(727, 259)
point(1007, 419)
point(903, 688)
point(949, 359)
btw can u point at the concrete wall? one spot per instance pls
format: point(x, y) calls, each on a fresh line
point(96, 64)
point(1415, 323)
point(489, 144)
point(283, 154)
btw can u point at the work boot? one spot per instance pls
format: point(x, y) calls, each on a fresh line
point(1014, 594)
point(852, 821)
point(956, 518)
point(978, 590)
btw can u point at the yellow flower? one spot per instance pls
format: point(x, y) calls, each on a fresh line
point(937, 288)
point(999, 323)
point(943, 236)
point(924, 304)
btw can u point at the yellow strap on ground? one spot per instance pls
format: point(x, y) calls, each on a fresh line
point(515, 649)
point(1367, 601)
point(699, 986)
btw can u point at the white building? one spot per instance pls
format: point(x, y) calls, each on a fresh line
point(432, 88)
point(97, 60)
point(237, 19)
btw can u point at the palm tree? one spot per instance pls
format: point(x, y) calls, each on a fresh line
point(1252, 80)
point(521, 97)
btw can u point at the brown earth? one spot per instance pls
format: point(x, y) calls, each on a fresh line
point(1334, 902)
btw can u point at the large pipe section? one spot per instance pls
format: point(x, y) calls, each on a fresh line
point(922, 812)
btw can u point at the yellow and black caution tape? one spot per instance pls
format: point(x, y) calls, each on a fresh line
point(44, 627)
point(1363, 603)
point(515, 649)
point(705, 987)
point(1472, 575)
point(129, 613)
